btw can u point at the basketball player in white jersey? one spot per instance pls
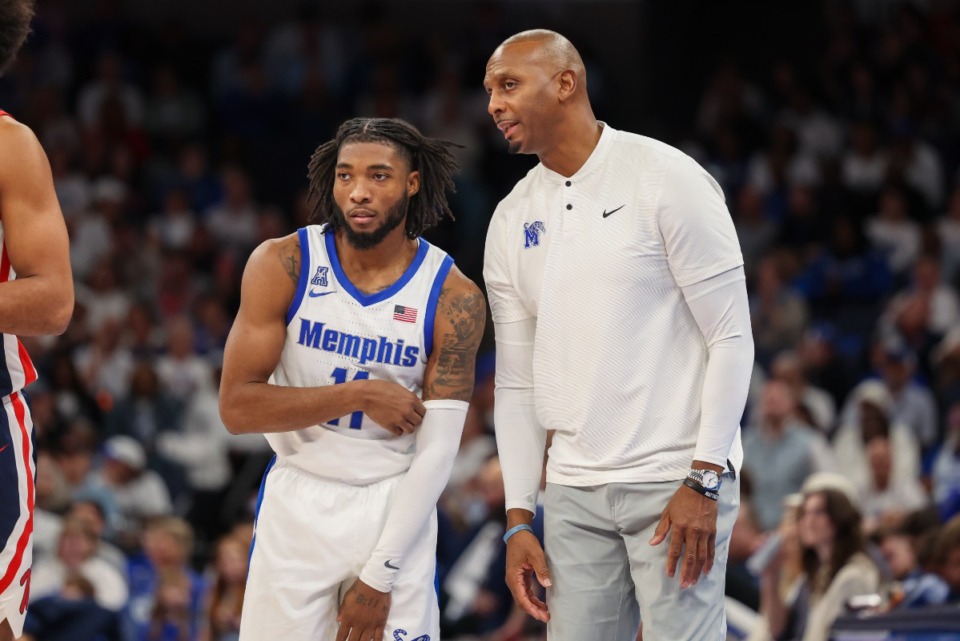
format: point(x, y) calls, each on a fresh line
point(354, 351)
point(619, 302)
point(36, 297)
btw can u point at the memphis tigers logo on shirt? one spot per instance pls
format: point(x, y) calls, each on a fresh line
point(532, 232)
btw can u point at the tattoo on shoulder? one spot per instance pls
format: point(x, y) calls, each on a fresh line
point(290, 257)
point(453, 376)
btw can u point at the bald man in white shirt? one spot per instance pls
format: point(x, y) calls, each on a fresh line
point(618, 295)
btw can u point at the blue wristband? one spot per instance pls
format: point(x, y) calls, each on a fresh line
point(515, 529)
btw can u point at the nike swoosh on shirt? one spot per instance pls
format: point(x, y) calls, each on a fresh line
point(314, 294)
point(607, 213)
point(387, 564)
point(4, 447)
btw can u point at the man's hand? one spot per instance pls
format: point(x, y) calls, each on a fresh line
point(525, 558)
point(363, 613)
point(693, 519)
point(392, 406)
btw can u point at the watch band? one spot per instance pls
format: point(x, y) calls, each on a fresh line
point(699, 489)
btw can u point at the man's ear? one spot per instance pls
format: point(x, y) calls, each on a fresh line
point(413, 183)
point(568, 84)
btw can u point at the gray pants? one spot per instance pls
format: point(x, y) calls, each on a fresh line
point(606, 575)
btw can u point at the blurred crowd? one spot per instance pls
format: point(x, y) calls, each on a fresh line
point(173, 156)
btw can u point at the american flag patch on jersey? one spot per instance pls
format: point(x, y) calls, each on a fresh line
point(405, 314)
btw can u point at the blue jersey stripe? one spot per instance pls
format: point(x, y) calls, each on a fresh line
point(304, 273)
point(432, 304)
point(256, 514)
point(369, 299)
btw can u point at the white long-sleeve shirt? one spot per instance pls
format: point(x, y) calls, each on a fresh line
point(593, 281)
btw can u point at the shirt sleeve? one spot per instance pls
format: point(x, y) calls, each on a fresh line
point(697, 230)
point(506, 305)
point(520, 438)
point(719, 306)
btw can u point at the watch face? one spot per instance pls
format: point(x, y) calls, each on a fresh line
point(711, 480)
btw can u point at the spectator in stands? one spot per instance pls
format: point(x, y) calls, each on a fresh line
point(945, 476)
point(778, 314)
point(893, 233)
point(233, 222)
point(72, 615)
point(181, 371)
point(780, 452)
point(835, 568)
point(912, 404)
point(139, 493)
point(226, 594)
point(948, 232)
point(76, 553)
point(914, 587)
point(947, 553)
point(883, 501)
point(148, 411)
point(166, 596)
point(868, 415)
point(925, 311)
point(90, 510)
point(788, 367)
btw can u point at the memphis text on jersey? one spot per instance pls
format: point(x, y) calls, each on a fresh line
point(365, 350)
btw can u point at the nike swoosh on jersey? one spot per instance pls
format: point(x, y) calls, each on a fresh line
point(314, 294)
point(4, 447)
point(387, 564)
point(607, 213)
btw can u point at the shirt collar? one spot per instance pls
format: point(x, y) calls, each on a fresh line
point(595, 160)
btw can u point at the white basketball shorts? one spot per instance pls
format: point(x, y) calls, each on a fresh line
point(312, 538)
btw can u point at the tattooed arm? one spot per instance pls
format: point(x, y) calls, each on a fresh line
point(248, 403)
point(458, 328)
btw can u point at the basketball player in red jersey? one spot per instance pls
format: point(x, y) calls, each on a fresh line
point(36, 297)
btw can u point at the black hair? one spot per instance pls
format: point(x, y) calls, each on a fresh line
point(15, 16)
point(431, 157)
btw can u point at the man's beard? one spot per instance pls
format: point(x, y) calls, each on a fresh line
point(368, 240)
point(513, 148)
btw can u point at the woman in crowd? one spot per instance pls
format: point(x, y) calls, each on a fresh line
point(835, 568)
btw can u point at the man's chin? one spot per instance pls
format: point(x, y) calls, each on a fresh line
point(518, 146)
point(362, 240)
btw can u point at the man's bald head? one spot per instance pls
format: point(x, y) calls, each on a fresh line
point(552, 49)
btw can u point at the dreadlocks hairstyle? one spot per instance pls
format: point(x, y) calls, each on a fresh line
point(431, 157)
point(15, 18)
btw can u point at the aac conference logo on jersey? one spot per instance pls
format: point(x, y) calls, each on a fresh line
point(320, 278)
point(531, 233)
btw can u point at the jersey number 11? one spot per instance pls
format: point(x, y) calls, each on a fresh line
point(340, 376)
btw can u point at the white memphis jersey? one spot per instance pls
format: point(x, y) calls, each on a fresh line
point(335, 334)
point(598, 260)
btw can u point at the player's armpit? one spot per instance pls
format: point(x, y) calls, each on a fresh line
point(458, 328)
point(40, 300)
